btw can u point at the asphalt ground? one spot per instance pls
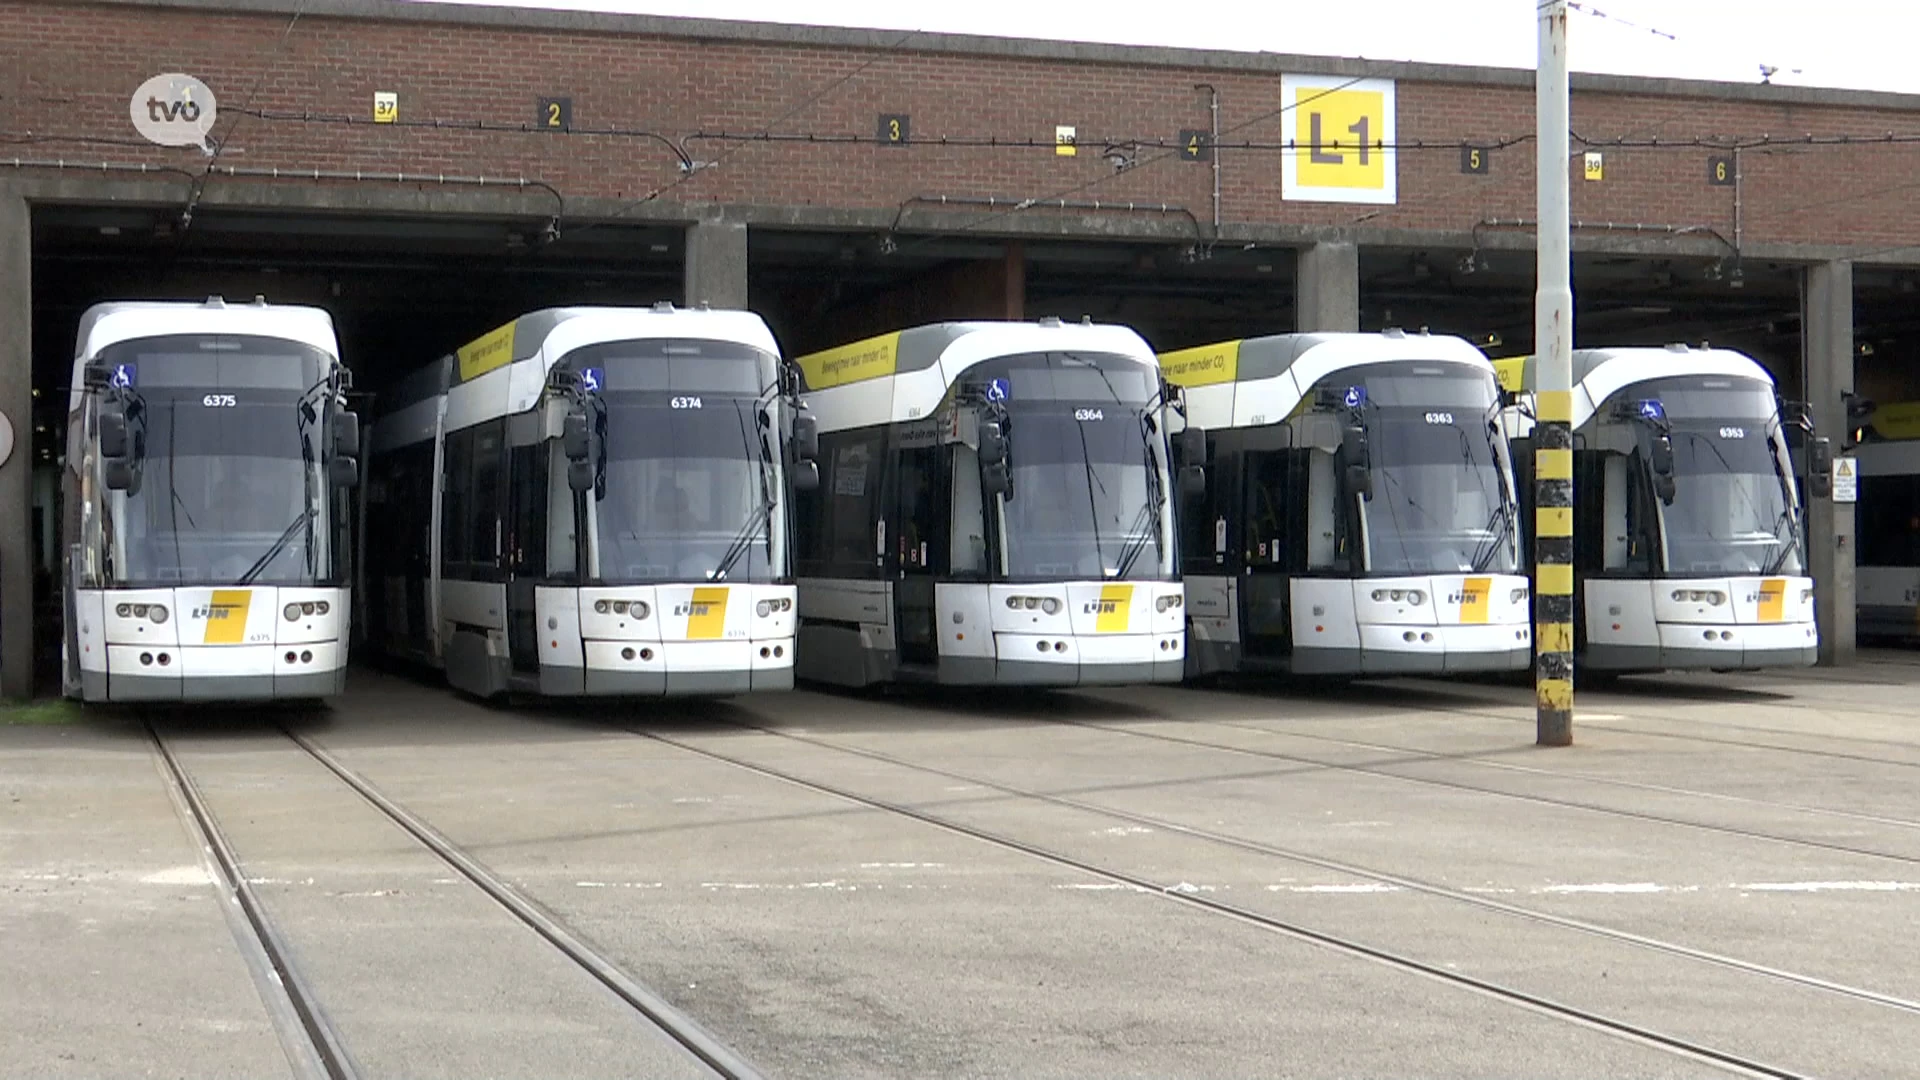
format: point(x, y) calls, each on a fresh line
point(1259, 878)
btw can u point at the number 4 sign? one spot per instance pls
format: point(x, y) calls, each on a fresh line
point(1340, 134)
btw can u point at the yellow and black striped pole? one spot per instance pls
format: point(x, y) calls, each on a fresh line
point(1553, 565)
point(1553, 397)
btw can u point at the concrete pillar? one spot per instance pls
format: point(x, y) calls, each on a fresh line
point(717, 264)
point(16, 476)
point(1327, 288)
point(1827, 357)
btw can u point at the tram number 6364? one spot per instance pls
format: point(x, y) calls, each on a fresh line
point(1089, 414)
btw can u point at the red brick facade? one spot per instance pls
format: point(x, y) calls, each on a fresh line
point(68, 67)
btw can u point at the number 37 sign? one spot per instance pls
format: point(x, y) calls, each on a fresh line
point(1340, 134)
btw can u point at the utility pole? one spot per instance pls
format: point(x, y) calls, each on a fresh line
point(1553, 397)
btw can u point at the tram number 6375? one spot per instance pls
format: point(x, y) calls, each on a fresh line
point(219, 401)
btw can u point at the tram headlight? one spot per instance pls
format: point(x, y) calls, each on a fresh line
point(1396, 595)
point(1379, 595)
point(639, 609)
point(1806, 595)
point(1416, 597)
point(292, 612)
point(1517, 595)
point(601, 607)
point(1050, 605)
point(125, 611)
point(320, 607)
point(1167, 603)
point(763, 609)
point(158, 613)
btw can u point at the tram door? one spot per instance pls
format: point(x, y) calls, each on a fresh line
point(1274, 489)
point(528, 499)
point(918, 548)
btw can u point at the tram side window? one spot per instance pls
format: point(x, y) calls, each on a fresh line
point(838, 522)
point(488, 501)
point(1889, 512)
point(456, 510)
point(920, 543)
point(527, 510)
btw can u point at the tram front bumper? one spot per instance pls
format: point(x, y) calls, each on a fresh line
point(1075, 660)
point(1448, 650)
point(1709, 647)
point(138, 673)
point(686, 668)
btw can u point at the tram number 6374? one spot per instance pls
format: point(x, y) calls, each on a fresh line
point(686, 403)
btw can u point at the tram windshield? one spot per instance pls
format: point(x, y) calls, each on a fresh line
point(1733, 510)
point(227, 435)
point(690, 486)
point(1087, 462)
point(1441, 502)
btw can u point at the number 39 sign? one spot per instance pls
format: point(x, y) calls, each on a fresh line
point(1341, 134)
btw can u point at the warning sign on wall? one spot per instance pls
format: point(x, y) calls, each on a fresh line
point(1846, 480)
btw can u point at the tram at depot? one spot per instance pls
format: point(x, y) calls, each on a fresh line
point(208, 456)
point(592, 501)
point(1689, 530)
point(996, 508)
point(1360, 508)
point(1887, 570)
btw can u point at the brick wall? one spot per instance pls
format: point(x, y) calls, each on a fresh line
point(68, 68)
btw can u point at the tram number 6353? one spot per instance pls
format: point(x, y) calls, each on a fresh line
point(1733, 433)
point(219, 401)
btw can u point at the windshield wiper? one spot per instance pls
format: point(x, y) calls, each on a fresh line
point(1504, 516)
point(761, 514)
point(305, 519)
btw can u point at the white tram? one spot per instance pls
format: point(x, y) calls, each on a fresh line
point(1689, 542)
point(592, 501)
point(995, 510)
point(1887, 574)
point(1360, 508)
point(208, 449)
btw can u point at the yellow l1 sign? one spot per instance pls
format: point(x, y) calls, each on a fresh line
point(1340, 140)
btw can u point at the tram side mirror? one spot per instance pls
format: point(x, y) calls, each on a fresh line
point(346, 432)
point(993, 443)
point(1663, 487)
point(1820, 467)
point(1193, 482)
point(577, 441)
point(1192, 446)
point(1663, 456)
point(118, 474)
point(805, 474)
point(345, 471)
point(580, 475)
point(806, 437)
point(995, 480)
point(113, 432)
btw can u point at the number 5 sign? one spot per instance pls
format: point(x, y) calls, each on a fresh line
point(1341, 135)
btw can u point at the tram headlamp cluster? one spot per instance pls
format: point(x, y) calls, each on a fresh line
point(637, 608)
point(1168, 603)
point(1517, 595)
point(767, 607)
point(294, 611)
point(1710, 597)
point(1411, 596)
point(1048, 604)
point(156, 612)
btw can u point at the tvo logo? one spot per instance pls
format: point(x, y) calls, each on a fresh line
point(173, 110)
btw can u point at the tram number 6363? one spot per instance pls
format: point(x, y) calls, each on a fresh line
point(1439, 418)
point(219, 401)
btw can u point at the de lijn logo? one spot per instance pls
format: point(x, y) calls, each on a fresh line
point(173, 110)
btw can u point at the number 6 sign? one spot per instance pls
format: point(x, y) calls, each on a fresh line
point(1340, 133)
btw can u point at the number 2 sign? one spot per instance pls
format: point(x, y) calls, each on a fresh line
point(1340, 134)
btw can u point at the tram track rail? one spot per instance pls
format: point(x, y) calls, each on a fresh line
point(312, 1040)
point(1677, 1045)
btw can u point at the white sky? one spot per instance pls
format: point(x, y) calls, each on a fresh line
point(1864, 44)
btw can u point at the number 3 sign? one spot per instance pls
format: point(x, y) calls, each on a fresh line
point(1340, 134)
